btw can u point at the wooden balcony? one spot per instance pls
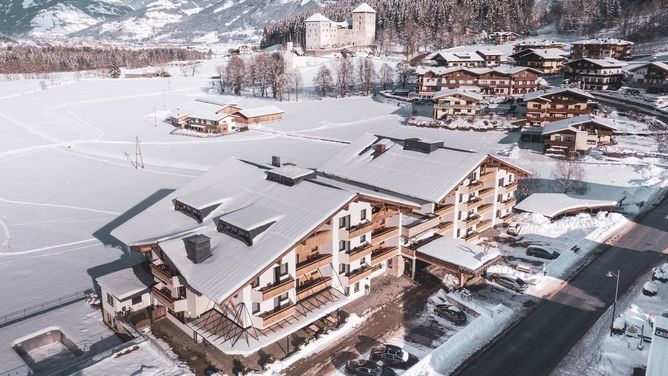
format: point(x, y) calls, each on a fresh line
point(276, 315)
point(420, 227)
point(317, 238)
point(277, 289)
point(313, 287)
point(485, 193)
point(312, 264)
point(482, 209)
point(383, 254)
point(507, 218)
point(407, 251)
point(473, 204)
point(360, 229)
point(165, 298)
point(161, 271)
point(443, 228)
point(359, 252)
point(381, 235)
point(509, 187)
point(475, 185)
point(509, 203)
point(471, 219)
point(359, 274)
point(472, 236)
point(483, 225)
point(488, 176)
point(382, 214)
point(444, 209)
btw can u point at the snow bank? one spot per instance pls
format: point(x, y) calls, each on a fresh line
point(448, 356)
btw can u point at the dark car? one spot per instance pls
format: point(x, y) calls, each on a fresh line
point(451, 313)
point(393, 356)
point(541, 252)
point(510, 282)
point(363, 367)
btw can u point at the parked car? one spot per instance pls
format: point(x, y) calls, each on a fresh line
point(514, 229)
point(393, 356)
point(650, 288)
point(514, 283)
point(451, 313)
point(363, 367)
point(541, 252)
point(660, 273)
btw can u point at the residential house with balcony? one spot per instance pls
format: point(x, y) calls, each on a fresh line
point(124, 294)
point(601, 48)
point(210, 116)
point(548, 61)
point(455, 194)
point(578, 134)
point(596, 74)
point(501, 37)
point(547, 105)
point(456, 102)
point(248, 253)
point(492, 57)
point(651, 76)
point(538, 44)
point(499, 81)
point(451, 59)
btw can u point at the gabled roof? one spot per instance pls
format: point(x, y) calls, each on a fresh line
point(607, 62)
point(538, 43)
point(292, 212)
point(489, 52)
point(364, 8)
point(602, 41)
point(456, 56)
point(202, 109)
point(545, 53)
point(569, 124)
point(424, 176)
point(502, 69)
point(125, 283)
point(555, 90)
point(260, 111)
point(460, 91)
point(659, 64)
point(317, 17)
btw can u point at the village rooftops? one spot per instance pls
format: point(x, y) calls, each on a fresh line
point(317, 17)
point(542, 94)
point(457, 91)
point(126, 282)
point(275, 217)
point(364, 8)
point(659, 64)
point(502, 69)
point(564, 124)
point(456, 56)
point(489, 52)
point(607, 62)
point(545, 53)
point(421, 169)
point(603, 41)
point(202, 109)
point(260, 111)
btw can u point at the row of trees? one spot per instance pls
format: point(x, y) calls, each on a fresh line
point(45, 59)
point(361, 77)
point(264, 74)
point(418, 23)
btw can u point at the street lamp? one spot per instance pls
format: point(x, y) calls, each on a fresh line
point(614, 304)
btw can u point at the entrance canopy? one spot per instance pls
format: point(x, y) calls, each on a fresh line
point(456, 254)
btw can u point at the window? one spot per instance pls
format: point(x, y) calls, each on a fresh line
point(363, 215)
point(389, 263)
point(357, 287)
point(459, 232)
point(256, 282)
point(461, 197)
point(256, 307)
point(284, 269)
point(342, 245)
point(501, 182)
point(110, 300)
point(136, 300)
point(342, 222)
point(459, 215)
point(363, 238)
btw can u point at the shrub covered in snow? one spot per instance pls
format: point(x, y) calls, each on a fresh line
point(619, 325)
point(660, 273)
point(650, 288)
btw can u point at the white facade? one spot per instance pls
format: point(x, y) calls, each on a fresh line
point(323, 33)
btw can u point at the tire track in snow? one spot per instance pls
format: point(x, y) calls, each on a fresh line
point(41, 249)
point(8, 235)
point(58, 206)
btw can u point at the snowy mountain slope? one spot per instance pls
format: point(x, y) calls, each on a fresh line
point(52, 18)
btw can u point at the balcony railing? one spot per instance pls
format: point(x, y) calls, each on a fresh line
point(420, 226)
point(471, 236)
point(473, 203)
point(382, 234)
point(442, 210)
point(359, 252)
point(487, 176)
point(359, 274)
point(313, 263)
point(444, 227)
point(471, 218)
point(312, 287)
point(164, 296)
point(277, 289)
point(360, 229)
point(382, 214)
point(509, 203)
point(382, 254)
point(475, 185)
point(482, 209)
point(484, 225)
point(487, 192)
point(317, 238)
point(507, 218)
point(161, 271)
point(276, 315)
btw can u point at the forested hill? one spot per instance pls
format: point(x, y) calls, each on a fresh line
point(416, 23)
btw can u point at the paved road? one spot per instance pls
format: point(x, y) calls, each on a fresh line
point(537, 344)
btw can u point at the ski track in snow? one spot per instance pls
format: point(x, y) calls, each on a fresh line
point(8, 235)
point(58, 206)
point(41, 249)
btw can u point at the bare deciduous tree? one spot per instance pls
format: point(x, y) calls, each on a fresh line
point(386, 76)
point(570, 176)
point(403, 73)
point(235, 73)
point(367, 76)
point(345, 77)
point(323, 81)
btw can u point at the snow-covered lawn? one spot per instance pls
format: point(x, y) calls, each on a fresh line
point(599, 353)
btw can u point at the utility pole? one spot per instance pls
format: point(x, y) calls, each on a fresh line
point(139, 160)
point(614, 304)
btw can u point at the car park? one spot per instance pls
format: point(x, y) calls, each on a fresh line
point(510, 282)
point(393, 356)
point(450, 313)
point(541, 252)
point(363, 367)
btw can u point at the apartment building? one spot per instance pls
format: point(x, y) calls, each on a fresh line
point(501, 37)
point(547, 105)
point(247, 253)
point(538, 44)
point(601, 48)
point(456, 102)
point(492, 57)
point(451, 59)
point(578, 134)
point(596, 74)
point(548, 61)
point(651, 76)
point(499, 81)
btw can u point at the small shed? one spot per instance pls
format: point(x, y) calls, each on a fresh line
point(555, 205)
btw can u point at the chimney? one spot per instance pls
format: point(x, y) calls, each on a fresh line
point(198, 247)
point(276, 161)
point(380, 148)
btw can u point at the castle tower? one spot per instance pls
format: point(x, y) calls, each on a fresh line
point(319, 32)
point(364, 25)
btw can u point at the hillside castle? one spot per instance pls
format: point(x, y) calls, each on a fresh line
point(325, 34)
